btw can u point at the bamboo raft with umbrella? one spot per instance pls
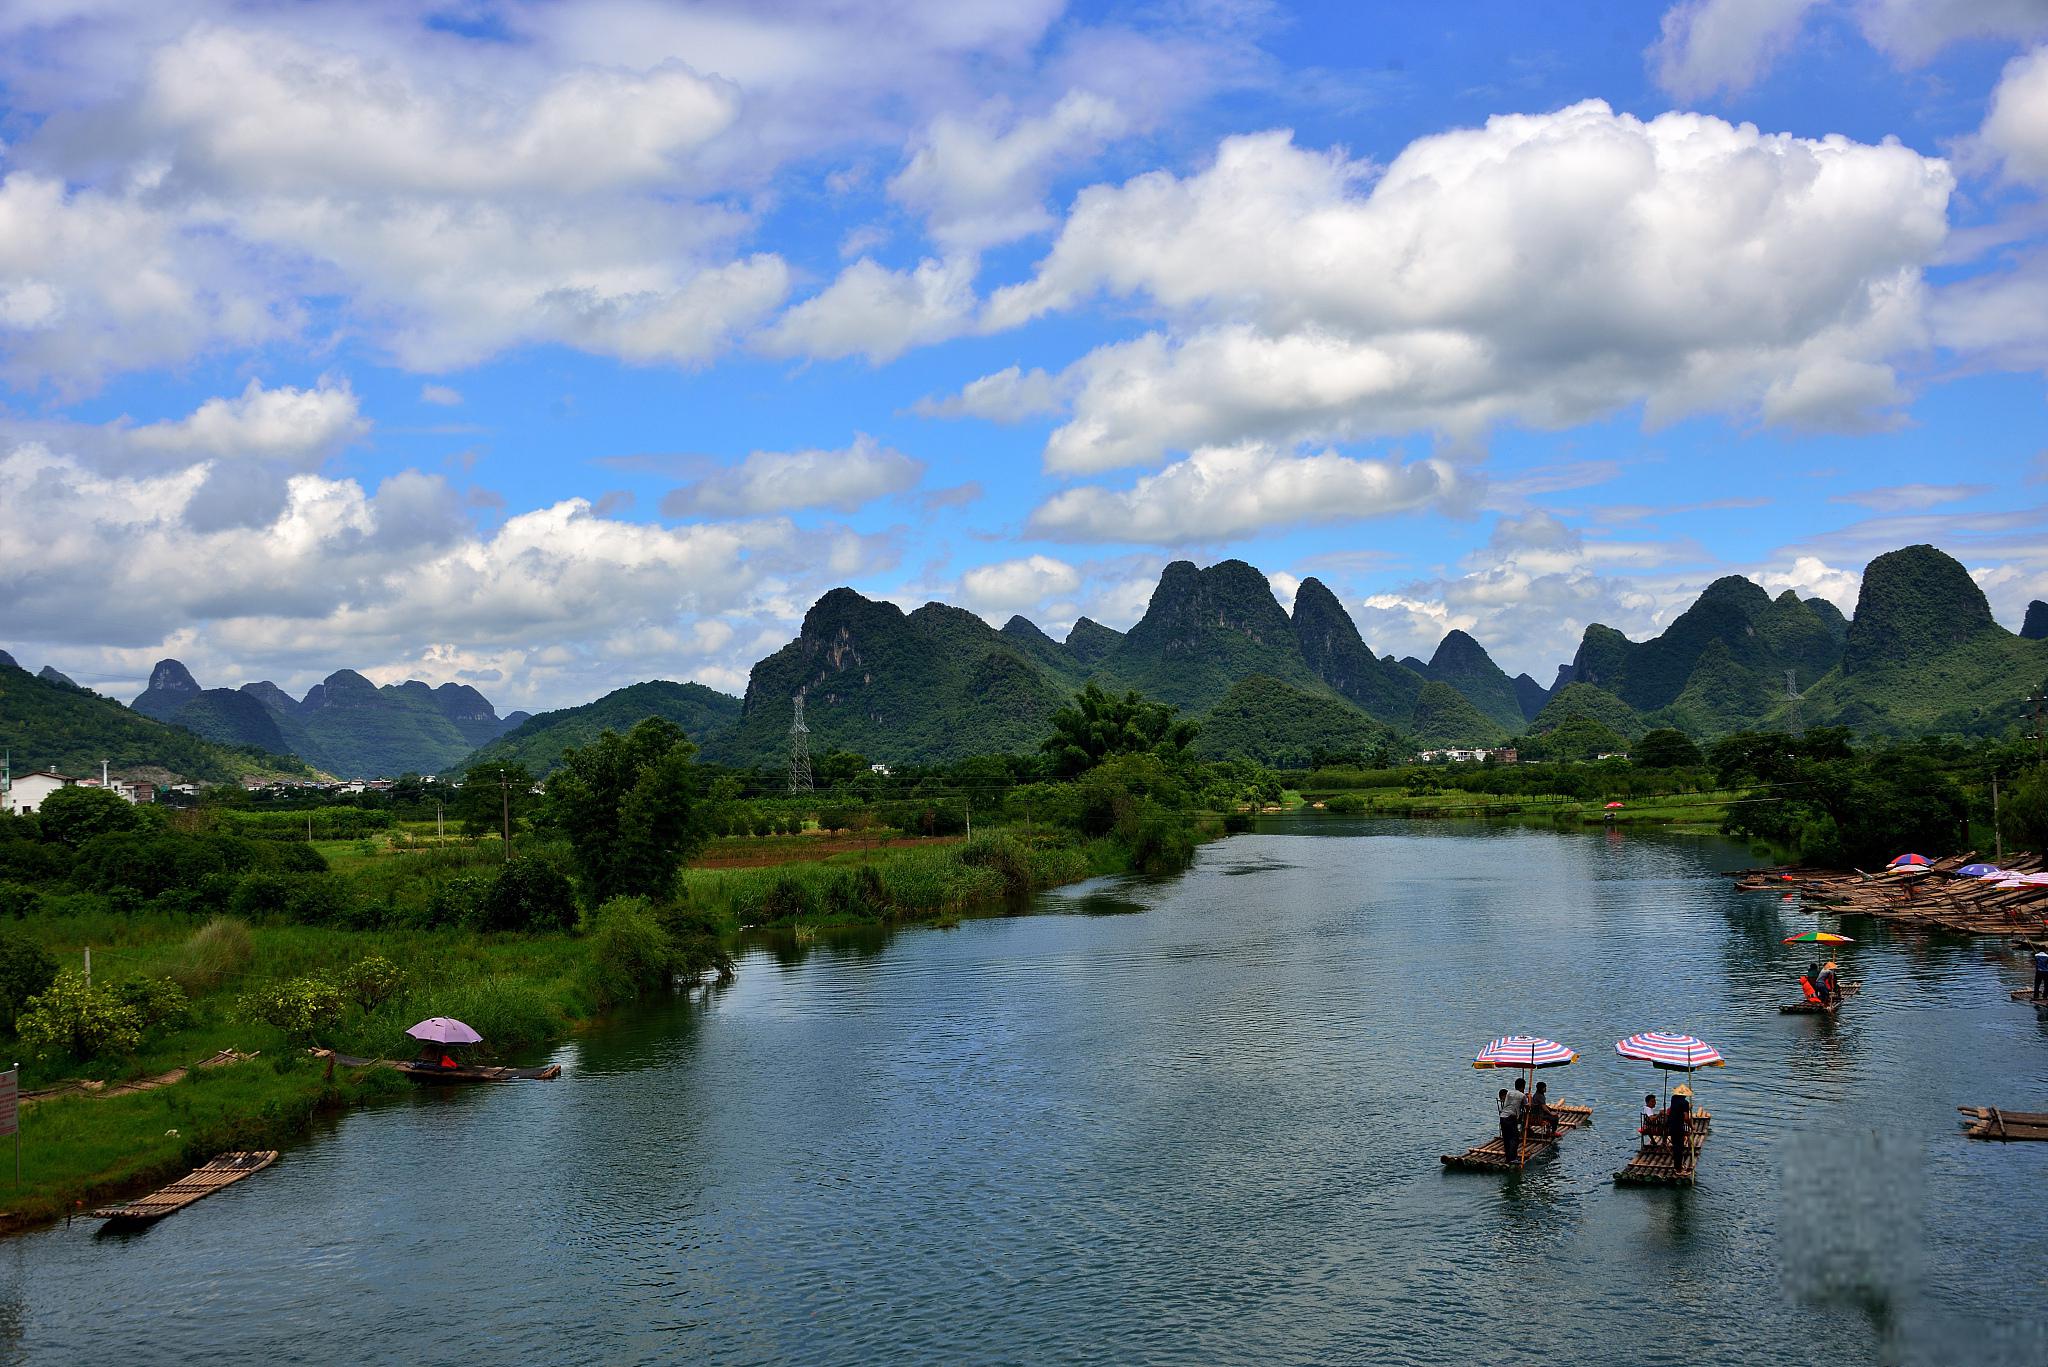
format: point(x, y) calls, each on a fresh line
point(201, 1182)
point(1827, 1000)
point(2006, 1126)
point(1959, 893)
point(1658, 1161)
point(437, 1062)
point(1525, 1053)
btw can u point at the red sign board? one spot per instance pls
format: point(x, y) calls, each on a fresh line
point(10, 1093)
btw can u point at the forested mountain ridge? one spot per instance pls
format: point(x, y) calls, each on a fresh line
point(706, 716)
point(345, 725)
point(59, 726)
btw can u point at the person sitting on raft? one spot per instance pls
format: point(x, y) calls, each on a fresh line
point(1540, 1119)
point(1651, 1118)
point(1809, 985)
point(1678, 1118)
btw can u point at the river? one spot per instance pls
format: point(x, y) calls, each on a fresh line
point(1188, 1120)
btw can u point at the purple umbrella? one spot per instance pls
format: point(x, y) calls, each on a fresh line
point(444, 1030)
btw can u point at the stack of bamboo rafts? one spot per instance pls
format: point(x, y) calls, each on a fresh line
point(1934, 895)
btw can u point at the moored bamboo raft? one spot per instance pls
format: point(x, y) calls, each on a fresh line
point(476, 1072)
point(1490, 1157)
point(1810, 1008)
point(1993, 1123)
point(223, 1171)
point(1934, 897)
point(1656, 1165)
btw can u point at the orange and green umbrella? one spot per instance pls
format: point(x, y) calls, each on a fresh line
point(1817, 937)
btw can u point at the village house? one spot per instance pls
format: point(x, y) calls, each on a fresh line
point(23, 793)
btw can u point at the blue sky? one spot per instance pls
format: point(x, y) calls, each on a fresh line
point(550, 347)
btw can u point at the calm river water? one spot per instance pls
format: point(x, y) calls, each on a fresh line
point(1194, 1120)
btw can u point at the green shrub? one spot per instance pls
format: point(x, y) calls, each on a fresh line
point(371, 981)
point(307, 1010)
point(260, 896)
point(457, 901)
point(217, 951)
point(1002, 856)
point(71, 1019)
point(18, 900)
point(1345, 804)
point(72, 816)
point(158, 1002)
point(26, 970)
point(788, 898)
point(856, 894)
point(630, 953)
point(528, 894)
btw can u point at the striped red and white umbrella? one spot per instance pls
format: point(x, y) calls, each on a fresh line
point(1681, 1053)
point(1523, 1051)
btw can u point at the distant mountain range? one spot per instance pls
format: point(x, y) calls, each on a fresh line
point(1921, 655)
point(345, 724)
point(48, 722)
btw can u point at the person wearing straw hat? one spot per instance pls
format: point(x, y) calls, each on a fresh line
point(1679, 1115)
point(1830, 989)
point(2041, 975)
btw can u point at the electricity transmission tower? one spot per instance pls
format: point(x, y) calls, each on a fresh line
point(799, 751)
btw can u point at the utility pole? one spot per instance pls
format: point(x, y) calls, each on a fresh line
point(505, 797)
point(970, 816)
point(439, 831)
point(1997, 836)
point(799, 750)
point(2035, 700)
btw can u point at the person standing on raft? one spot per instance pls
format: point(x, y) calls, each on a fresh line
point(2041, 975)
point(1679, 1117)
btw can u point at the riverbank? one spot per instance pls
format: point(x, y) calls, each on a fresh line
point(248, 988)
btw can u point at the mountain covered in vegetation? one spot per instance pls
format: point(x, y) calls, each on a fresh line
point(61, 726)
point(345, 725)
point(706, 716)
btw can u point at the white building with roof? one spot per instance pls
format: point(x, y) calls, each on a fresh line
point(24, 793)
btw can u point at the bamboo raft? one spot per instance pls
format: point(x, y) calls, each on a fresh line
point(201, 1182)
point(1810, 1008)
point(2026, 994)
point(1489, 1157)
point(468, 1072)
point(476, 1072)
point(1656, 1166)
point(1992, 1123)
point(1934, 897)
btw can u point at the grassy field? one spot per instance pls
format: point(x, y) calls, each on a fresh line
point(1679, 809)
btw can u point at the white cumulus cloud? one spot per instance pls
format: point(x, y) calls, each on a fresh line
point(978, 184)
point(782, 481)
point(1012, 586)
point(1228, 491)
point(1546, 269)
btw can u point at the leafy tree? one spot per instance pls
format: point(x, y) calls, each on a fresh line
point(70, 1019)
point(306, 1009)
point(74, 815)
point(26, 970)
point(1098, 724)
point(371, 981)
point(1666, 748)
point(2023, 812)
point(630, 809)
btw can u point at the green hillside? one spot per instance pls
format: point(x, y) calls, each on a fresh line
point(1334, 652)
point(1446, 717)
point(1585, 702)
point(232, 717)
point(1924, 655)
point(1089, 641)
point(354, 729)
point(933, 685)
point(55, 726)
point(1275, 724)
point(705, 715)
point(1204, 631)
point(1464, 664)
point(1025, 635)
